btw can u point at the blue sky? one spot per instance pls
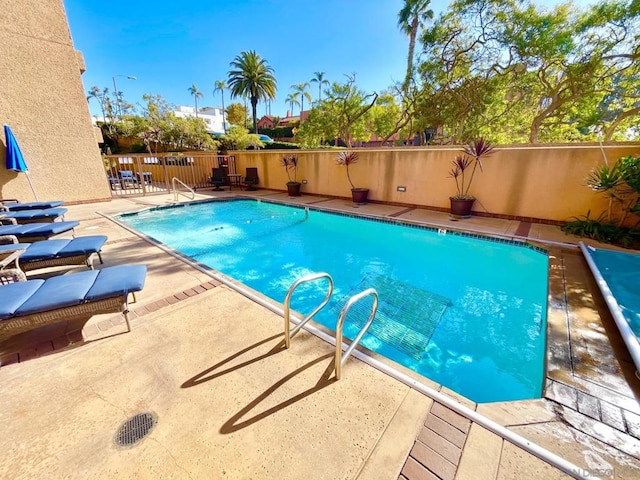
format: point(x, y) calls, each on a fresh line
point(170, 45)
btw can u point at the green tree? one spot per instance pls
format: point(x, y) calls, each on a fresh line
point(239, 138)
point(543, 75)
point(410, 19)
point(301, 90)
point(193, 90)
point(236, 114)
point(292, 99)
point(106, 106)
point(341, 115)
point(251, 75)
point(318, 77)
point(220, 86)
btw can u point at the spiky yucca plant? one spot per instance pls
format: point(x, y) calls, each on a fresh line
point(346, 159)
point(477, 150)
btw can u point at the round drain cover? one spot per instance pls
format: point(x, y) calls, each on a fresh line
point(135, 429)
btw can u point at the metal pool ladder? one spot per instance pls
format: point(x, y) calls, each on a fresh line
point(176, 192)
point(289, 333)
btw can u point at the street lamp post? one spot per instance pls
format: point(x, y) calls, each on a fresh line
point(115, 92)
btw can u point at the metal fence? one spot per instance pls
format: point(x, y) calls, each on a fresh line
point(149, 174)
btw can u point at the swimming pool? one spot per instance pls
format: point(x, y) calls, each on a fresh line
point(469, 313)
point(617, 276)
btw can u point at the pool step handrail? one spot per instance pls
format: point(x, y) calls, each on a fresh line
point(340, 358)
point(288, 332)
point(177, 192)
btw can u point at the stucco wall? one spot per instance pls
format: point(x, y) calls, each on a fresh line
point(42, 99)
point(538, 182)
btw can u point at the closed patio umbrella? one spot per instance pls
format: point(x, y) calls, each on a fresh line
point(15, 159)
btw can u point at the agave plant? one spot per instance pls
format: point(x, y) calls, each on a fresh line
point(477, 150)
point(347, 159)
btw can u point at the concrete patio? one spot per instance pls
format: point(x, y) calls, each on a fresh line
point(231, 402)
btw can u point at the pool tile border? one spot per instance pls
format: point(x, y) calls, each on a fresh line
point(391, 221)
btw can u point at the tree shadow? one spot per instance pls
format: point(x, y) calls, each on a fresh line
point(211, 374)
point(234, 424)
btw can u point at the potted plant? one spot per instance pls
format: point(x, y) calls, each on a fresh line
point(290, 164)
point(347, 159)
point(462, 201)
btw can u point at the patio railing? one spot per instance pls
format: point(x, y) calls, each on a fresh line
point(132, 174)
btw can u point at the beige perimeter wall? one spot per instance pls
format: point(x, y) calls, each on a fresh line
point(536, 182)
point(42, 99)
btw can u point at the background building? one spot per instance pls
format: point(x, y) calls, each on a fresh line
point(212, 116)
point(44, 102)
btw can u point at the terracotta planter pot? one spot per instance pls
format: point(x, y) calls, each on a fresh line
point(360, 195)
point(293, 189)
point(461, 208)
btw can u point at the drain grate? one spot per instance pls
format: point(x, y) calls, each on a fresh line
point(135, 429)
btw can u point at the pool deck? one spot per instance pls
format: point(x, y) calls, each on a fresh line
point(231, 402)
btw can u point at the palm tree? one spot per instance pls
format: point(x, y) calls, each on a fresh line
point(319, 78)
point(251, 75)
point(219, 86)
point(292, 99)
point(193, 90)
point(301, 89)
point(410, 20)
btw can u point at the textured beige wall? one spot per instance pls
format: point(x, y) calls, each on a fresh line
point(541, 182)
point(42, 99)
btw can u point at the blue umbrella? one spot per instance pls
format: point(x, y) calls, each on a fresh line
point(15, 159)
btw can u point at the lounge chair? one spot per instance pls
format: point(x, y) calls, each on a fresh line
point(13, 205)
point(32, 232)
point(251, 179)
point(127, 178)
point(34, 215)
point(73, 298)
point(218, 178)
point(50, 253)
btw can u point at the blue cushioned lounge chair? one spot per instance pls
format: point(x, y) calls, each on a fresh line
point(50, 253)
point(33, 232)
point(34, 215)
point(73, 298)
point(14, 205)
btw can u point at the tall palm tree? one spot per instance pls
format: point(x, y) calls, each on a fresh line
point(251, 75)
point(220, 86)
point(319, 78)
point(301, 89)
point(410, 19)
point(292, 99)
point(193, 90)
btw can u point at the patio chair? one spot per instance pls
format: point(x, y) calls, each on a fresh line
point(32, 232)
point(218, 178)
point(50, 253)
point(251, 179)
point(127, 178)
point(72, 298)
point(13, 204)
point(34, 215)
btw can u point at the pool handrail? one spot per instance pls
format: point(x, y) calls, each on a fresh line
point(288, 334)
point(341, 360)
point(176, 192)
point(628, 336)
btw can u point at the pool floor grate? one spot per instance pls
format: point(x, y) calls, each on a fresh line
point(135, 429)
point(407, 316)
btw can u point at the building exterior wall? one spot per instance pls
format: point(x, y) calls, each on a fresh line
point(212, 116)
point(537, 182)
point(43, 100)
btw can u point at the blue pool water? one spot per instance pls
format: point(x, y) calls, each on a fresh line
point(465, 312)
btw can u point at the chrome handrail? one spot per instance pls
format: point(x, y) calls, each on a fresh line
point(288, 333)
point(176, 192)
point(340, 360)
